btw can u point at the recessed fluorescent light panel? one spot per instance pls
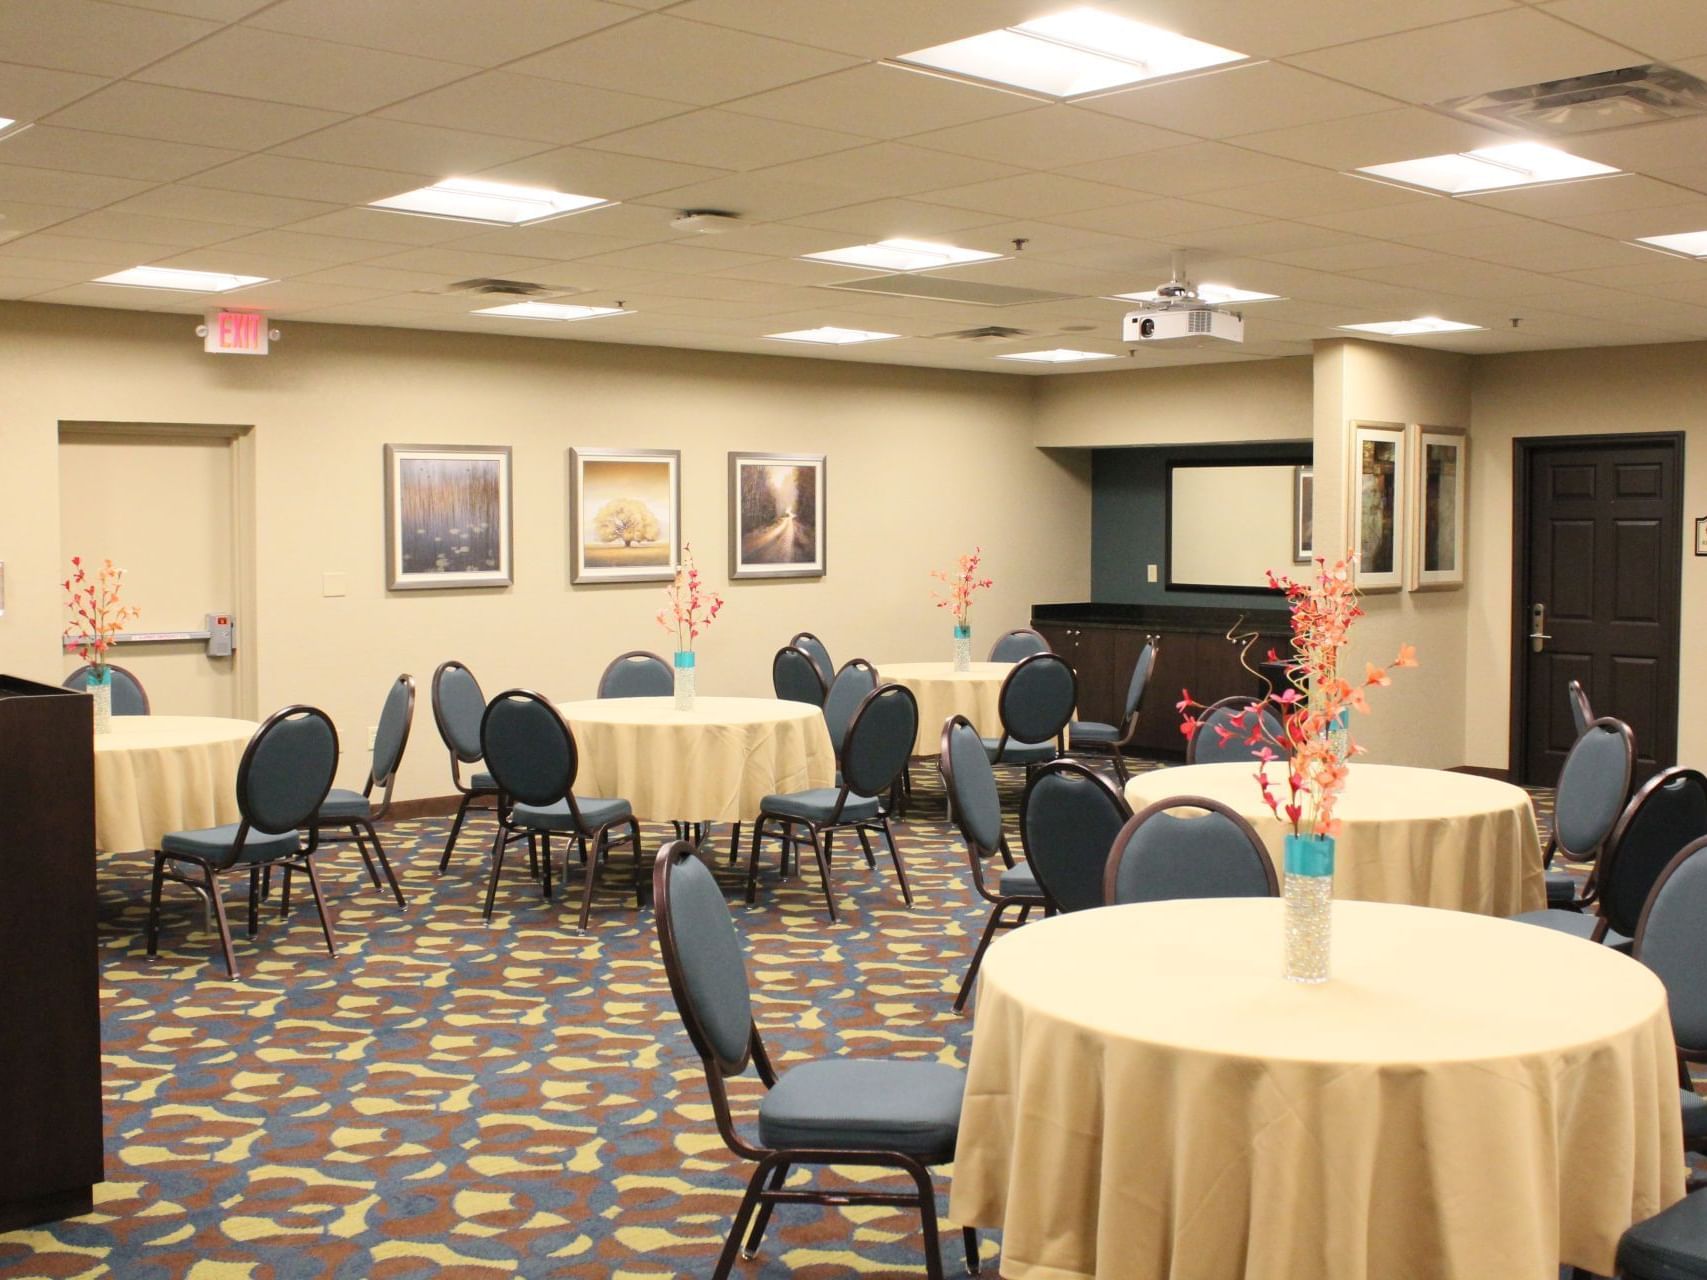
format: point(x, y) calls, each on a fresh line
point(493, 203)
point(1072, 53)
point(1060, 355)
point(1405, 328)
point(1519, 164)
point(550, 311)
point(1690, 244)
point(901, 255)
point(182, 281)
point(832, 336)
point(9, 127)
point(1216, 293)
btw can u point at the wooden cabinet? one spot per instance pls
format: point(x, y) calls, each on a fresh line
point(50, 1055)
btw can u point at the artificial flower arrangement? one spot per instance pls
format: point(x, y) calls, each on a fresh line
point(97, 612)
point(1313, 740)
point(962, 583)
point(690, 609)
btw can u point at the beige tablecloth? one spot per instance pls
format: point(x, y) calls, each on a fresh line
point(943, 692)
point(155, 774)
point(1419, 836)
point(712, 764)
point(1465, 1099)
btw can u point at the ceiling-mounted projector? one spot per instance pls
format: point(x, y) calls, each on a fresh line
point(1180, 318)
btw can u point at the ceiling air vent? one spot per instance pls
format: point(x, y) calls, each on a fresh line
point(1587, 104)
point(947, 289)
point(490, 288)
point(989, 333)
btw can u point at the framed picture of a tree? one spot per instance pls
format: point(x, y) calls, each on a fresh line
point(777, 515)
point(625, 514)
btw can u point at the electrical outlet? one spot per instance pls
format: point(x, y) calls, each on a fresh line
point(1150, 573)
point(372, 735)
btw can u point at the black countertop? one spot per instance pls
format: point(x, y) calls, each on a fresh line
point(1162, 617)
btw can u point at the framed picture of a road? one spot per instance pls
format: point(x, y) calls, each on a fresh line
point(776, 515)
point(625, 514)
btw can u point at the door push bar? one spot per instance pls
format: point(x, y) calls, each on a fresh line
point(218, 630)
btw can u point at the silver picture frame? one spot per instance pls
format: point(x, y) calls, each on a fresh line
point(449, 519)
point(625, 515)
point(778, 515)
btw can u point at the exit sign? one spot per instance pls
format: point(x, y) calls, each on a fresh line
point(236, 333)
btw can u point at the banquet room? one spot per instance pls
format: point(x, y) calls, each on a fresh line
point(1182, 506)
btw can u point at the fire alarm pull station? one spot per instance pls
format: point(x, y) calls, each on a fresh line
point(219, 635)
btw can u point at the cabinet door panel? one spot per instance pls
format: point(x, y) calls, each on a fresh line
point(1097, 657)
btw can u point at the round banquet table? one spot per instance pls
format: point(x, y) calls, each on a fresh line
point(942, 692)
point(712, 764)
point(1420, 836)
point(1464, 1099)
point(155, 774)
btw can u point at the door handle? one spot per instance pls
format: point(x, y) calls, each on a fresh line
point(1538, 636)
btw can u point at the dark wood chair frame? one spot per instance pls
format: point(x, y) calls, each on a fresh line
point(470, 794)
point(1233, 703)
point(206, 886)
point(765, 1189)
point(1591, 886)
point(1116, 750)
point(1077, 769)
point(1581, 712)
point(80, 672)
point(1686, 1053)
point(863, 828)
point(976, 856)
point(358, 828)
point(1020, 631)
point(1111, 871)
point(1002, 704)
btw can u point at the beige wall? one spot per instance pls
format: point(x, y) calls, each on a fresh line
point(1186, 404)
point(922, 465)
point(1654, 388)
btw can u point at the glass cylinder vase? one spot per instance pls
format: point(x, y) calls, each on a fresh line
point(1339, 735)
point(684, 681)
point(1309, 895)
point(963, 648)
point(99, 683)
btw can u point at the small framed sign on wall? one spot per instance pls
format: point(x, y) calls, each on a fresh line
point(1700, 536)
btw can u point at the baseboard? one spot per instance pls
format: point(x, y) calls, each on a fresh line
point(1482, 771)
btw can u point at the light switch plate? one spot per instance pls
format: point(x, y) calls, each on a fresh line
point(334, 584)
point(1150, 573)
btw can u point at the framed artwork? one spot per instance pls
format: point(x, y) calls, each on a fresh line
point(1377, 508)
point(1440, 459)
point(625, 514)
point(776, 515)
point(447, 516)
point(1303, 514)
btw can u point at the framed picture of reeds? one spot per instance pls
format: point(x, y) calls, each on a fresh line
point(448, 521)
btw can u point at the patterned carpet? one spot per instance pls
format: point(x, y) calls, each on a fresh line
point(450, 1099)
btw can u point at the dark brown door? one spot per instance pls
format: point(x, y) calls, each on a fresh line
point(1599, 559)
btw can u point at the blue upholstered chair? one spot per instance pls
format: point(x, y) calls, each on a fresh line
point(1092, 737)
point(1582, 714)
point(531, 752)
point(853, 682)
point(1231, 730)
point(879, 739)
point(282, 779)
point(1671, 1245)
point(975, 807)
point(900, 1114)
point(637, 674)
point(795, 678)
point(1019, 643)
point(814, 649)
point(1668, 812)
point(1067, 822)
point(1671, 939)
point(458, 705)
point(1035, 704)
point(355, 811)
point(129, 697)
point(1592, 789)
point(1160, 855)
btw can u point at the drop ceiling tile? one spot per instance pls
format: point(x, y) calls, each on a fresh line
point(629, 222)
point(1419, 218)
point(1376, 138)
point(890, 169)
point(890, 219)
point(271, 175)
point(758, 197)
point(1149, 219)
point(1264, 29)
point(606, 173)
point(687, 60)
point(776, 240)
point(117, 299)
point(79, 151)
point(102, 256)
point(453, 30)
point(558, 241)
point(181, 115)
point(706, 307)
point(1692, 177)
point(1659, 271)
point(1565, 200)
point(1630, 224)
point(269, 266)
point(19, 217)
point(1535, 247)
point(1459, 276)
point(1664, 30)
point(1221, 104)
point(794, 272)
point(114, 224)
point(249, 63)
point(381, 279)
point(311, 251)
point(1302, 197)
point(206, 204)
point(15, 266)
point(1648, 148)
point(681, 258)
point(1473, 55)
point(382, 227)
point(1051, 137)
point(99, 39)
point(213, 10)
point(1254, 239)
point(726, 141)
point(1354, 255)
point(515, 106)
point(882, 102)
point(1030, 195)
point(1190, 170)
point(284, 296)
point(397, 143)
point(459, 265)
point(29, 93)
point(57, 186)
point(866, 28)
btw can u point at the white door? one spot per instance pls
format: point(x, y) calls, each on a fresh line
point(162, 507)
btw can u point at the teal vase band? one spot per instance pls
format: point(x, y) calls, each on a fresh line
point(684, 658)
point(1309, 855)
point(963, 633)
point(95, 676)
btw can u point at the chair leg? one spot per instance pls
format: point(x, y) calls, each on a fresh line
point(819, 851)
point(969, 1236)
point(254, 899)
point(456, 830)
point(865, 844)
point(219, 918)
point(498, 843)
point(284, 892)
point(927, 1220)
point(895, 857)
point(639, 864)
point(385, 863)
point(592, 877)
point(753, 861)
point(751, 1251)
point(737, 1229)
point(154, 902)
point(1120, 766)
point(545, 856)
point(367, 858)
point(990, 927)
point(320, 905)
point(735, 845)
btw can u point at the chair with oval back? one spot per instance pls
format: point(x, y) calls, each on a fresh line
point(900, 1114)
point(975, 807)
point(458, 706)
point(129, 697)
point(814, 649)
point(1593, 786)
point(637, 674)
point(879, 740)
point(1233, 729)
point(1582, 714)
point(795, 678)
point(282, 780)
point(1092, 737)
point(1671, 939)
point(1035, 704)
point(531, 751)
point(355, 811)
point(1019, 643)
point(1666, 813)
point(853, 682)
point(1159, 855)
point(1067, 823)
